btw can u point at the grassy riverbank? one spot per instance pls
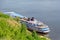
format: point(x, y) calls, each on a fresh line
point(10, 29)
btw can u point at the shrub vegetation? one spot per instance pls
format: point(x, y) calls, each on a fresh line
point(10, 29)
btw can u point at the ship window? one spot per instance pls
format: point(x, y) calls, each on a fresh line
point(39, 29)
point(34, 24)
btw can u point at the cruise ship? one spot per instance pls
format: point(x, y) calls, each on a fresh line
point(31, 24)
point(36, 26)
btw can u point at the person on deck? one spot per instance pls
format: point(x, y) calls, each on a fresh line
point(32, 19)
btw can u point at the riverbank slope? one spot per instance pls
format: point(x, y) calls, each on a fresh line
point(10, 29)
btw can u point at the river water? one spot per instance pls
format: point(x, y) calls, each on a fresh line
point(47, 11)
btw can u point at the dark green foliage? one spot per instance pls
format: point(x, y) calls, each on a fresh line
point(34, 34)
point(4, 15)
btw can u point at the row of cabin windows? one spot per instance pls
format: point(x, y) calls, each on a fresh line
point(30, 24)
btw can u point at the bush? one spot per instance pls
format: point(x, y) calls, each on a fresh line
point(12, 30)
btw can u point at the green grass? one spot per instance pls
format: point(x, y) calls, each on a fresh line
point(10, 29)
